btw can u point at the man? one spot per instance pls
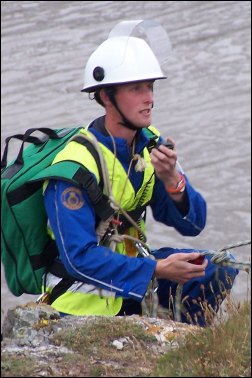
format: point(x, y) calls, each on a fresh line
point(104, 272)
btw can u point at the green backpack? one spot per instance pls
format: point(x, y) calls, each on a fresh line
point(26, 248)
point(27, 251)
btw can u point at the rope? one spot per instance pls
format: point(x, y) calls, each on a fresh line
point(221, 257)
point(92, 139)
point(107, 186)
point(102, 228)
point(239, 244)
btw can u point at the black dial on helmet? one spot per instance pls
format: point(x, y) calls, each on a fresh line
point(98, 73)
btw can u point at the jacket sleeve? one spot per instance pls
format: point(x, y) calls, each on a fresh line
point(164, 210)
point(73, 222)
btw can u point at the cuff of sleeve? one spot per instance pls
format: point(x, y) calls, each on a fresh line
point(139, 290)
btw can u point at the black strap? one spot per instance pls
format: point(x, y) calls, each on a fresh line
point(98, 199)
point(136, 214)
point(47, 257)
point(60, 289)
point(22, 192)
point(152, 143)
point(26, 137)
point(94, 153)
point(88, 182)
point(29, 139)
point(59, 270)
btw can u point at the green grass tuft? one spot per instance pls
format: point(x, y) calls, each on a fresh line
point(223, 350)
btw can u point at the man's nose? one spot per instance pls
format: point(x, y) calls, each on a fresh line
point(148, 95)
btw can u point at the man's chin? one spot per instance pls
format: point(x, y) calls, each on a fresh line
point(144, 124)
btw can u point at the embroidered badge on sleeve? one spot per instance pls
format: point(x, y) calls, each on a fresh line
point(72, 198)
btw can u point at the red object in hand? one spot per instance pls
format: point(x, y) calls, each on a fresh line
point(198, 261)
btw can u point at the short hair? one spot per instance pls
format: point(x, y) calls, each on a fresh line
point(110, 92)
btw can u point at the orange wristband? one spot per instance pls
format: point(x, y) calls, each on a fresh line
point(180, 187)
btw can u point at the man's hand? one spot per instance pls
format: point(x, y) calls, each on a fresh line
point(179, 267)
point(164, 161)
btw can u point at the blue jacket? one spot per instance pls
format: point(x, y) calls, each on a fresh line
point(76, 237)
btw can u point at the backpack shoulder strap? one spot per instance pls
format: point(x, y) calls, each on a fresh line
point(79, 139)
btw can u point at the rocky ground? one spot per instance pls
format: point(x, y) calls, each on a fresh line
point(37, 342)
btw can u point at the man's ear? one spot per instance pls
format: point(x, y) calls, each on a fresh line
point(105, 98)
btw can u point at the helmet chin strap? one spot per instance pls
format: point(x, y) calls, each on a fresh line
point(128, 124)
point(125, 122)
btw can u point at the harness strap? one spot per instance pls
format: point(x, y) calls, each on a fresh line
point(60, 289)
point(57, 269)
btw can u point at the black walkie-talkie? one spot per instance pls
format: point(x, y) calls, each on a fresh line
point(166, 144)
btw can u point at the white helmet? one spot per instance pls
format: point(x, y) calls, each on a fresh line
point(121, 60)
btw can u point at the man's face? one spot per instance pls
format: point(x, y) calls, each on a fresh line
point(135, 100)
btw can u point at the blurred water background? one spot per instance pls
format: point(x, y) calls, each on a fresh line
point(204, 105)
